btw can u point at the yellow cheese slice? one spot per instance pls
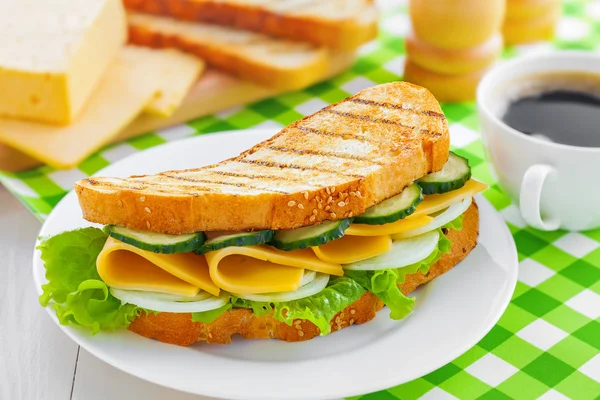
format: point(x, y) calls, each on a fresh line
point(124, 91)
point(263, 269)
point(123, 266)
point(349, 249)
point(402, 225)
point(437, 202)
point(180, 71)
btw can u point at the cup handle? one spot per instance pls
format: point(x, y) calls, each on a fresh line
point(531, 196)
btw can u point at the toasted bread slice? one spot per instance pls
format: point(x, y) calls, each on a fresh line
point(276, 63)
point(331, 165)
point(179, 328)
point(338, 24)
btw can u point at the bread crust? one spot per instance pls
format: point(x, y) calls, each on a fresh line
point(180, 330)
point(345, 34)
point(346, 158)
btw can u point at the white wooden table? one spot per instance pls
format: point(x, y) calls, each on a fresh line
point(37, 360)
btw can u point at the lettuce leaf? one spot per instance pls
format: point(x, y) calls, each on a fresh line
point(319, 308)
point(384, 283)
point(74, 289)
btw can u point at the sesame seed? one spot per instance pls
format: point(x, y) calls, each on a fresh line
point(300, 206)
point(333, 215)
point(328, 190)
point(358, 193)
point(352, 312)
point(350, 214)
point(341, 315)
point(291, 203)
point(148, 210)
point(297, 322)
point(337, 320)
point(329, 200)
point(300, 333)
point(298, 327)
point(312, 218)
point(333, 189)
point(148, 224)
point(319, 199)
point(306, 195)
point(210, 335)
point(351, 321)
point(327, 208)
point(315, 211)
point(143, 199)
point(341, 204)
point(320, 206)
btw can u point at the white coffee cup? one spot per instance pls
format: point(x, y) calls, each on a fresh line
point(556, 185)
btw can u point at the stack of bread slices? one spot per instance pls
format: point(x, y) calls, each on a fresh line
point(78, 76)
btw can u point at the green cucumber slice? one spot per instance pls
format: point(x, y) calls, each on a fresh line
point(236, 239)
point(392, 209)
point(157, 242)
point(309, 236)
point(455, 173)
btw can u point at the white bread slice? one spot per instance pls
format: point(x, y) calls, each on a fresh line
point(331, 165)
point(338, 24)
point(275, 63)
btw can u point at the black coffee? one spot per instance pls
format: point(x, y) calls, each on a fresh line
point(564, 116)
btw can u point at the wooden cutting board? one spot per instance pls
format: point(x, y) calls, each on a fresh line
point(214, 92)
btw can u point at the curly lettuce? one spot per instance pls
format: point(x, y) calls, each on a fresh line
point(319, 308)
point(384, 283)
point(74, 289)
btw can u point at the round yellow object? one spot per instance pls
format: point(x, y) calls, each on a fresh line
point(462, 61)
point(447, 88)
point(526, 9)
point(456, 24)
point(520, 31)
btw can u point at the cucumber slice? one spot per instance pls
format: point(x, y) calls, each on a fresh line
point(455, 173)
point(394, 208)
point(309, 236)
point(236, 239)
point(157, 242)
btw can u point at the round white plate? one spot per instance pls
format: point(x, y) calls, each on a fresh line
point(452, 314)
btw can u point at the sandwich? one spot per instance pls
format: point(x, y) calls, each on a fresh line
point(313, 230)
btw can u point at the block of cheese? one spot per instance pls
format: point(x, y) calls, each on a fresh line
point(128, 86)
point(214, 92)
point(461, 61)
point(54, 54)
point(179, 73)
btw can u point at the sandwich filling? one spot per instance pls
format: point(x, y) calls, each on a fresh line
point(103, 279)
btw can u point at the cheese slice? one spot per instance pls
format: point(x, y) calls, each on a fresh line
point(349, 249)
point(263, 269)
point(180, 71)
point(54, 53)
point(437, 202)
point(125, 90)
point(402, 225)
point(123, 266)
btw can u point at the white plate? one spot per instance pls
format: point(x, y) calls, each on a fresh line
point(452, 314)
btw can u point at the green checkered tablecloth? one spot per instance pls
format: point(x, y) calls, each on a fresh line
point(547, 343)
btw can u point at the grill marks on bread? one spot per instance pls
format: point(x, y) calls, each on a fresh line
point(334, 163)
